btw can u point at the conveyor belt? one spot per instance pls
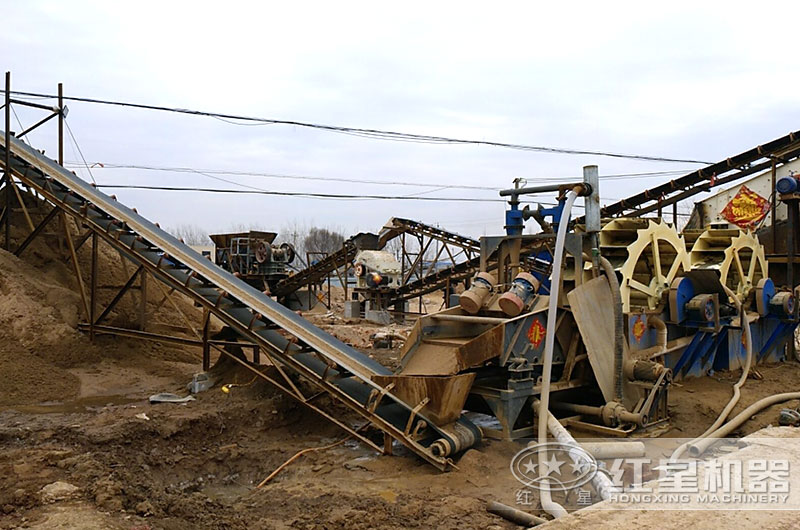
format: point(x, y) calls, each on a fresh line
point(729, 170)
point(398, 225)
point(436, 280)
point(317, 272)
point(321, 359)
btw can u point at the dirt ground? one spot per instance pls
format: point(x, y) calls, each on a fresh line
point(81, 447)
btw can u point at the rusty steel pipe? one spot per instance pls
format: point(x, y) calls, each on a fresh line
point(581, 188)
point(512, 514)
point(612, 413)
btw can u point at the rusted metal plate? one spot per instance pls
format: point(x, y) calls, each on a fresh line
point(591, 304)
point(484, 347)
point(449, 356)
point(447, 395)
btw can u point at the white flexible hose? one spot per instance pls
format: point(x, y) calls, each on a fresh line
point(736, 387)
point(602, 484)
point(548, 505)
point(698, 447)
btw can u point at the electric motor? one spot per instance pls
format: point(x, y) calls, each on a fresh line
point(782, 304)
point(790, 184)
point(472, 299)
point(701, 308)
point(522, 290)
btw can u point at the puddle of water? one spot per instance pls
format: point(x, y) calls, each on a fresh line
point(71, 407)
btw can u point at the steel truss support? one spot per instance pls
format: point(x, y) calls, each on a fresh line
point(7, 165)
point(417, 240)
point(348, 375)
point(206, 345)
point(202, 339)
point(93, 287)
point(142, 299)
point(75, 265)
point(37, 124)
point(315, 287)
point(265, 347)
point(36, 231)
point(119, 295)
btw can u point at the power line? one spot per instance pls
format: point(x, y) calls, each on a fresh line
point(21, 127)
point(377, 134)
point(312, 195)
point(85, 164)
point(210, 172)
point(257, 191)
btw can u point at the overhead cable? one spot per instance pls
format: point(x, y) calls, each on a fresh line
point(377, 134)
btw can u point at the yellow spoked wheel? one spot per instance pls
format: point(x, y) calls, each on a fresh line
point(736, 254)
point(647, 254)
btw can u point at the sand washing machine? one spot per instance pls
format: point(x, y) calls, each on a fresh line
point(639, 304)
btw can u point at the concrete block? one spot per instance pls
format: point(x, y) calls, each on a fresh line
point(379, 317)
point(352, 309)
point(301, 300)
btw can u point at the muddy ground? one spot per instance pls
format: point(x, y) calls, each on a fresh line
point(196, 465)
point(81, 447)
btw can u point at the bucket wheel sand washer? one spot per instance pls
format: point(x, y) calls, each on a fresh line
point(736, 254)
point(648, 254)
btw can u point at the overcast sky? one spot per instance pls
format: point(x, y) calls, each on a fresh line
point(697, 80)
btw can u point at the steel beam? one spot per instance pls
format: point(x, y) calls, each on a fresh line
point(206, 348)
point(82, 239)
point(23, 207)
point(93, 287)
point(25, 103)
point(144, 335)
point(37, 124)
point(61, 124)
point(118, 296)
point(7, 163)
point(76, 266)
point(142, 299)
point(36, 231)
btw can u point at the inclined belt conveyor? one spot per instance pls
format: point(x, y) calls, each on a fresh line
point(344, 373)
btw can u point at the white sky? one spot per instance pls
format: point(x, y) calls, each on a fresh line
point(701, 80)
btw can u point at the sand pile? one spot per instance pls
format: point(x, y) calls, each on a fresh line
point(37, 335)
point(35, 312)
point(40, 307)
